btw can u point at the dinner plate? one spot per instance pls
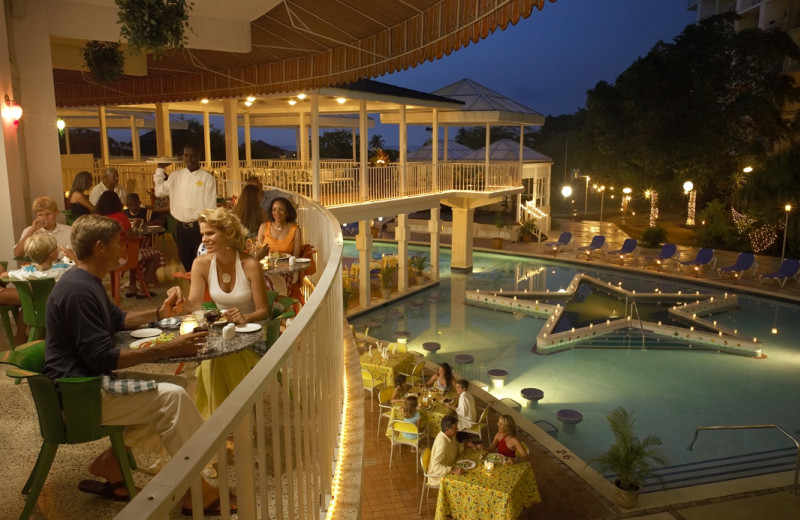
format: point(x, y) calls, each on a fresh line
point(465, 464)
point(169, 323)
point(447, 400)
point(138, 343)
point(145, 333)
point(250, 327)
point(420, 407)
point(156, 160)
point(497, 458)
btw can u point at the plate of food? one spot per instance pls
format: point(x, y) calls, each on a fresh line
point(145, 333)
point(465, 464)
point(248, 327)
point(497, 458)
point(447, 400)
point(149, 342)
point(423, 407)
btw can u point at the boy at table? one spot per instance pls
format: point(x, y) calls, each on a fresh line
point(465, 409)
point(445, 451)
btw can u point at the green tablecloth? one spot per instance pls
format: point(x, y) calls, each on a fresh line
point(478, 495)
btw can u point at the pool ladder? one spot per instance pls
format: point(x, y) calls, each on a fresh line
point(638, 316)
point(756, 427)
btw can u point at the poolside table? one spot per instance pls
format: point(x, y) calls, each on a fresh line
point(479, 495)
point(431, 415)
point(386, 370)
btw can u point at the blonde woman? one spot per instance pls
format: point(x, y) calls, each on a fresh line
point(236, 285)
point(505, 440)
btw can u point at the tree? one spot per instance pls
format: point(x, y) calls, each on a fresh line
point(336, 144)
point(475, 136)
point(376, 141)
point(695, 109)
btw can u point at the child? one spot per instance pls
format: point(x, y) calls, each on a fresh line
point(411, 415)
point(401, 388)
point(43, 251)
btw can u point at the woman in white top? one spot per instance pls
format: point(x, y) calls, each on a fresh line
point(237, 286)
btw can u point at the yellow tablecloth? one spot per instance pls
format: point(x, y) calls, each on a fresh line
point(477, 495)
point(430, 417)
point(386, 370)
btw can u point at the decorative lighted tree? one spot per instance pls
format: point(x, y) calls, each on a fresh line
point(653, 196)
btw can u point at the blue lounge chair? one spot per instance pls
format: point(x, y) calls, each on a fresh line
point(743, 262)
point(788, 269)
point(629, 247)
point(563, 241)
point(667, 252)
point(598, 242)
point(705, 256)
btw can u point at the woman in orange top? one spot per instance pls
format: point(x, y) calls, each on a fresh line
point(282, 234)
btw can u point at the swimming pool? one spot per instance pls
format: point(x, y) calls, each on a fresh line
point(672, 391)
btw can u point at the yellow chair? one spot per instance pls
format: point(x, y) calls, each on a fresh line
point(361, 338)
point(385, 407)
point(477, 426)
point(424, 461)
point(397, 348)
point(370, 385)
point(416, 372)
point(398, 439)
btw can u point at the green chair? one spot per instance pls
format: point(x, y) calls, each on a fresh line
point(33, 296)
point(70, 415)
point(280, 308)
point(8, 313)
point(28, 356)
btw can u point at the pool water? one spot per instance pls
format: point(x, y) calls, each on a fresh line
point(671, 391)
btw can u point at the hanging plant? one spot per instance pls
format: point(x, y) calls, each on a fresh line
point(105, 60)
point(153, 26)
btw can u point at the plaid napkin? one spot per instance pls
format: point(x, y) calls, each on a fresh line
point(127, 386)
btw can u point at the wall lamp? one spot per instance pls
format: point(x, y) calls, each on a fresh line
point(12, 111)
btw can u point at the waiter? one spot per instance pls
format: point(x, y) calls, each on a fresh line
point(190, 191)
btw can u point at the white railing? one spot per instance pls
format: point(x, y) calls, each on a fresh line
point(285, 416)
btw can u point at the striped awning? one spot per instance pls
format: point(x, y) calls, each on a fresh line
point(306, 44)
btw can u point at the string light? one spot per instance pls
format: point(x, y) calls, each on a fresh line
point(653, 196)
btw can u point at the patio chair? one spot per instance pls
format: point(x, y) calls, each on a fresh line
point(8, 314)
point(33, 296)
point(424, 461)
point(789, 269)
point(370, 385)
point(667, 252)
point(598, 242)
point(629, 247)
point(417, 372)
point(475, 428)
point(563, 241)
point(705, 256)
point(398, 439)
point(743, 262)
point(131, 264)
point(384, 407)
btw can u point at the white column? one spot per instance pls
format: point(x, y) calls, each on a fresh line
point(364, 246)
point(248, 156)
point(136, 144)
point(461, 260)
point(104, 154)
point(315, 147)
point(401, 235)
point(354, 134)
point(163, 131)
point(434, 226)
point(446, 141)
point(66, 139)
point(403, 150)
point(435, 149)
point(229, 108)
point(364, 143)
point(303, 138)
point(486, 157)
point(206, 139)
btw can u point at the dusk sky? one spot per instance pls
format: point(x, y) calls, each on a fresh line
point(547, 61)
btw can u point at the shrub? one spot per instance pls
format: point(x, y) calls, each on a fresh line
point(653, 236)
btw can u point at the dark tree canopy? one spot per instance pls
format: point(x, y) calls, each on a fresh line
point(697, 109)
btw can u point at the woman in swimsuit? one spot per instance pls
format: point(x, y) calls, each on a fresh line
point(443, 379)
point(505, 441)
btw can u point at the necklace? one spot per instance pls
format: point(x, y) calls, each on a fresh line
point(277, 227)
point(226, 278)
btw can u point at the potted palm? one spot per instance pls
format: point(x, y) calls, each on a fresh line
point(418, 264)
point(633, 460)
point(500, 224)
point(386, 279)
point(526, 229)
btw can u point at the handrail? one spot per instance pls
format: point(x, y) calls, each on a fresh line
point(755, 427)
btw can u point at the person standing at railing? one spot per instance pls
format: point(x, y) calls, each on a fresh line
point(265, 196)
point(110, 182)
point(191, 190)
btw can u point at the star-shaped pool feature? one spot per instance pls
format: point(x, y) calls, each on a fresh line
point(594, 308)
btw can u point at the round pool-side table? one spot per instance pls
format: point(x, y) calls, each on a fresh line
point(532, 396)
point(569, 418)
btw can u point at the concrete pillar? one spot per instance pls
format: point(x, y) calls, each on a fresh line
point(229, 110)
point(303, 138)
point(364, 246)
point(364, 155)
point(403, 151)
point(435, 149)
point(248, 156)
point(206, 139)
point(434, 227)
point(105, 156)
point(401, 235)
point(461, 261)
point(163, 131)
point(136, 145)
point(315, 191)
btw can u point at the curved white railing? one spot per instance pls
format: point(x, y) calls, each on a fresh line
point(285, 416)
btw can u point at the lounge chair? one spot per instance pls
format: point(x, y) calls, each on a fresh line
point(789, 269)
point(563, 241)
point(743, 262)
point(629, 247)
point(667, 252)
point(705, 256)
point(598, 242)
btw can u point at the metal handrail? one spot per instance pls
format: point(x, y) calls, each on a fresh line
point(755, 427)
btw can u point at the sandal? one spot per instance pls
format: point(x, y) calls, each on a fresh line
point(104, 489)
point(130, 294)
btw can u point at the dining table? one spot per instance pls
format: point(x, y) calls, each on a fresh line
point(430, 415)
point(482, 494)
point(386, 369)
point(215, 346)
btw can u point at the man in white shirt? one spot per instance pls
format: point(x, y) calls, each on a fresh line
point(190, 191)
point(466, 405)
point(445, 451)
point(110, 182)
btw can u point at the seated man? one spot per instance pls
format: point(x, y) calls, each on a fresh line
point(445, 451)
point(82, 320)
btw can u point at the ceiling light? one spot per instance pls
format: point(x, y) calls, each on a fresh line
point(293, 102)
point(248, 103)
point(204, 101)
point(341, 100)
point(301, 96)
point(251, 98)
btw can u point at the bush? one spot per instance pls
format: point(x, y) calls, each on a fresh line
point(653, 236)
point(716, 229)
